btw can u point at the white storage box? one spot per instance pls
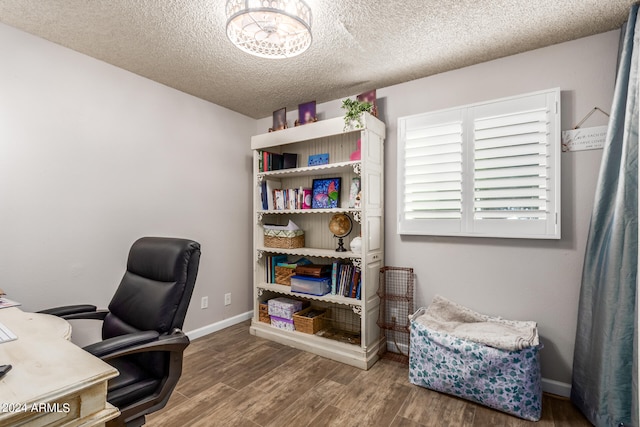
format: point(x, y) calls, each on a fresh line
point(284, 307)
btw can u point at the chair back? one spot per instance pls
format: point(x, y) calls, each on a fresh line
point(156, 289)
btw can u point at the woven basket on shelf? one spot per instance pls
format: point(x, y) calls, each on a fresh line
point(283, 275)
point(263, 313)
point(309, 325)
point(284, 240)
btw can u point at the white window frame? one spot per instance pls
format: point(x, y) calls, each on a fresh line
point(465, 150)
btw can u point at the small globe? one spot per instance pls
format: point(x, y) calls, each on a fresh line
point(340, 225)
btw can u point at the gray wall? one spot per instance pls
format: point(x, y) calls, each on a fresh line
point(93, 157)
point(513, 278)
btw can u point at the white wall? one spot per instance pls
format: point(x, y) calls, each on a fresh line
point(514, 278)
point(93, 157)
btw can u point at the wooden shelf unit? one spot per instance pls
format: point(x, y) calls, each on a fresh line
point(360, 315)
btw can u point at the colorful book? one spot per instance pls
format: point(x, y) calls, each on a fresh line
point(355, 281)
point(271, 185)
point(306, 198)
point(263, 195)
point(278, 200)
point(335, 267)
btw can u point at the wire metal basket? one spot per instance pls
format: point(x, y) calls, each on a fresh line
point(396, 304)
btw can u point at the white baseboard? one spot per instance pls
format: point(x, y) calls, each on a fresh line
point(214, 327)
point(556, 387)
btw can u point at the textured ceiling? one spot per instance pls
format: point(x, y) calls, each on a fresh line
point(357, 45)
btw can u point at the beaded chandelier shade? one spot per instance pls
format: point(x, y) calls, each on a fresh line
point(269, 28)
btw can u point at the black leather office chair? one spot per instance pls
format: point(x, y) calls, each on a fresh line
point(141, 330)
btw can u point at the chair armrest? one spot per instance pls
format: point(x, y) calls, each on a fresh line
point(81, 311)
point(69, 309)
point(176, 341)
point(107, 348)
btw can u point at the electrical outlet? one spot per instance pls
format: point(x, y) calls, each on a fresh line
point(227, 299)
point(204, 303)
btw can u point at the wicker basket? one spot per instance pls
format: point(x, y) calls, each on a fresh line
point(263, 313)
point(310, 325)
point(284, 240)
point(283, 275)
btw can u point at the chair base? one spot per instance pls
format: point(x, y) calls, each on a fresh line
point(119, 422)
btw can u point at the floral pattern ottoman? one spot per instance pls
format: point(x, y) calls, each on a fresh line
point(508, 381)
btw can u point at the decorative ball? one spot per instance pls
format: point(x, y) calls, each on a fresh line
point(356, 245)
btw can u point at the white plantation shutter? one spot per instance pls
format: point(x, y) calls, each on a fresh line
point(433, 170)
point(432, 163)
point(489, 169)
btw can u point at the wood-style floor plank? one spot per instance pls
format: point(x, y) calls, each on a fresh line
point(231, 378)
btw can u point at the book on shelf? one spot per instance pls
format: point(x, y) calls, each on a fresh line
point(279, 199)
point(355, 282)
point(290, 198)
point(277, 161)
point(345, 279)
point(268, 161)
point(346, 272)
point(273, 161)
point(314, 270)
point(306, 195)
point(270, 266)
point(335, 268)
point(267, 189)
point(294, 264)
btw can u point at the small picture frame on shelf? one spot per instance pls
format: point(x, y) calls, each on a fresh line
point(354, 193)
point(318, 159)
point(326, 193)
point(369, 96)
point(306, 113)
point(279, 120)
point(289, 160)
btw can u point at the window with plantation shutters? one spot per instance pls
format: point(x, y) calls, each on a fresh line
point(489, 169)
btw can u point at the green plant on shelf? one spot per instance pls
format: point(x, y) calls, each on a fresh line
point(354, 110)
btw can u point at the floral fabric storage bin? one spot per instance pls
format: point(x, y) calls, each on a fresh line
point(508, 381)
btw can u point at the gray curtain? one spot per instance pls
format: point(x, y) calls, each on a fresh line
point(605, 385)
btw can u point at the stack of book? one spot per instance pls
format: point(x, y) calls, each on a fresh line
point(275, 198)
point(270, 266)
point(345, 280)
point(292, 198)
point(275, 161)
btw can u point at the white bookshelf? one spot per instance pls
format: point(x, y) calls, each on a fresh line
point(356, 315)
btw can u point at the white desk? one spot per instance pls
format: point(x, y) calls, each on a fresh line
point(53, 382)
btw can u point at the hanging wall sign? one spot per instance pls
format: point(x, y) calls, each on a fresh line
point(584, 139)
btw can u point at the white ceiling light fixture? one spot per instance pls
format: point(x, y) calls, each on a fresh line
point(269, 28)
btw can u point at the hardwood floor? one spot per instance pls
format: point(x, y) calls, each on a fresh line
point(231, 378)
